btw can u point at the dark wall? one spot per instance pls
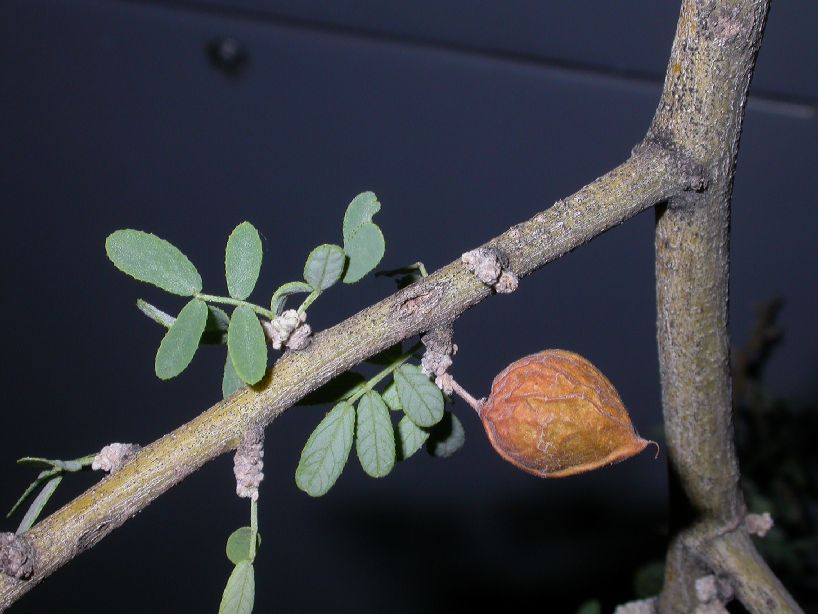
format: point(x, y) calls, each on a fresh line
point(464, 118)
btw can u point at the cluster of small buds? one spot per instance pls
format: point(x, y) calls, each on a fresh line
point(289, 330)
point(439, 350)
point(758, 524)
point(436, 364)
point(16, 556)
point(438, 356)
point(712, 592)
point(640, 606)
point(445, 382)
point(490, 268)
point(113, 456)
point(507, 283)
point(247, 464)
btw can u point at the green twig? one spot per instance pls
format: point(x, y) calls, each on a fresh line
point(225, 300)
point(253, 528)
point(390, 368)
point(309, 301)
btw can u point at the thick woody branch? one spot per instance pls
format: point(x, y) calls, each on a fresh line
point(686, 163)
point(653, 174)
point(732, 555)
point(700, 114)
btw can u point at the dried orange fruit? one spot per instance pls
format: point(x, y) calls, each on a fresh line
point(554, 414)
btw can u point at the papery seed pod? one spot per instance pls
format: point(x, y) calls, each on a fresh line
point(554, 414)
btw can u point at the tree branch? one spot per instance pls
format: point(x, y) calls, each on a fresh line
point(700, 114)
point(686, 163)
point(732, 555)
point(651, 175)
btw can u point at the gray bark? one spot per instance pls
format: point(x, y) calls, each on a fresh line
point(685, 165)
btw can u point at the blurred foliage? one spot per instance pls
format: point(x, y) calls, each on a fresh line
point(776, 446)
point(775, 442)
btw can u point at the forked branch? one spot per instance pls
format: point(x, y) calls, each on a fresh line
point(701, 113)
point(686, 164)
point(651, 175)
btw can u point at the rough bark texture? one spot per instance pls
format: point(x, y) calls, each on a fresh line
point(686, 165)
point(650, 176)
point(700, 115)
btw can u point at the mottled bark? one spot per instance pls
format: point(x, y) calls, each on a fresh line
point(686, 166)
point(651, 175)
point(700, 115)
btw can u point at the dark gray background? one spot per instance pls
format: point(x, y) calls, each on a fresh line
point(464, 118)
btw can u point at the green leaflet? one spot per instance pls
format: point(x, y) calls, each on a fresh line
point(55, 469)
point(358, 212)
point(215, 332)
point(247, 345)
point(365, 249)
point(446, 437)
point(38, 504)
point(231, 381)
point(286, 290)
point(375, 437)
point(422, 401)
point(591, 606)
point(324, 266)
point(240, 592)
point(242, 260)
point(43, 476)
point(148, 258)
point(326, 451)
point(410, 438)
point(391, 398)
point(238, 545)
point(75, 464)
point(180, 343)
point(155, 314)
point(648, 579)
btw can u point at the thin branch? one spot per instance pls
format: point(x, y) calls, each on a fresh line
point(651, 175)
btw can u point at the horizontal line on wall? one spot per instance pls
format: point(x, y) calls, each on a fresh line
point(763, 101)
